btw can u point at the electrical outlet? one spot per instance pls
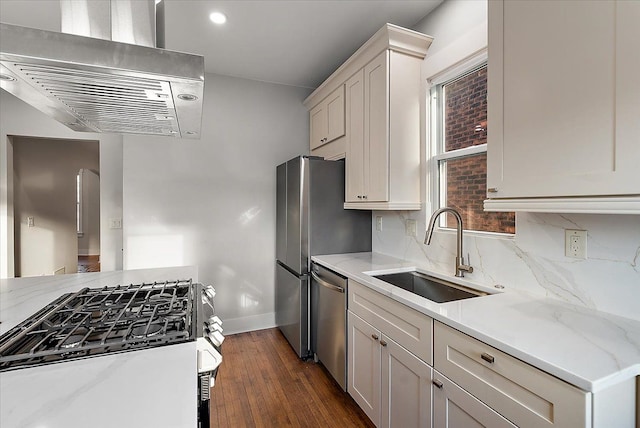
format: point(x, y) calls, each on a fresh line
point(115, 223)
point(30, 221)
point(575, 242)
point(379, 223)
point(410, 227)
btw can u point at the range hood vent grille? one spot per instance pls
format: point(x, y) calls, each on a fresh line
point(107, 103)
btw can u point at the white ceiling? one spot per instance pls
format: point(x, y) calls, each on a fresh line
point(296, 43)
point(292, 42)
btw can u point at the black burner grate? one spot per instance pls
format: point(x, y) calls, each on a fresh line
point(103, 320)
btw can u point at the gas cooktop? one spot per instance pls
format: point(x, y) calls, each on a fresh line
point(97, 321)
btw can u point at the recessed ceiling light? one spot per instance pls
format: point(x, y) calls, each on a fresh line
point(218, 17)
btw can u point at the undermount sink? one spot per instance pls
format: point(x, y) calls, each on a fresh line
point(429, 287)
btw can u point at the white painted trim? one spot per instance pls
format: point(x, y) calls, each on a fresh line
point(461, 153)
point(475, 60)
point(472, 43)
point(250, 323)
point(604, 205)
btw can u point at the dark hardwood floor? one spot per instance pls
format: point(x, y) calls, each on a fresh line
point(262, 383)
point(88, 264)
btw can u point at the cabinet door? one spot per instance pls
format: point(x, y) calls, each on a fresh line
point(406, 388)
point(355, 160)
point(376, 129)
point(564, 98)
point(318, 125)
point(453, 407)
point(363, 366)
point(335, 114)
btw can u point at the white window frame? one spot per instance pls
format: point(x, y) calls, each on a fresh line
point(79, 226)
point(437, 187)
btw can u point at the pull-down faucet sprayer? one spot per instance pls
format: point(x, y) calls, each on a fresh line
point(460, 266)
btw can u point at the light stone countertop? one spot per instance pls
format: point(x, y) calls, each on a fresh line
point(589, 349)
point(151, 387)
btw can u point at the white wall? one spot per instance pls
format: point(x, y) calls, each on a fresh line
point(533, 260)
point(45, 189)
point(211, 202)
point(20, 119)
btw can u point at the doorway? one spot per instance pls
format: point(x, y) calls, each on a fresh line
point(46, 191)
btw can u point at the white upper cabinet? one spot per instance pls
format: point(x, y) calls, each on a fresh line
point(564, 106)
point(367, 166)
point(381, 144)
point(327, 119)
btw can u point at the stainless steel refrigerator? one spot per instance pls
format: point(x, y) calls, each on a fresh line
point(310, 221)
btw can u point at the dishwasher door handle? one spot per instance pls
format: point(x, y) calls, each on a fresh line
point(326, 284)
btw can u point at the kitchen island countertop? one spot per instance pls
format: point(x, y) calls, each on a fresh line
point(150, 387)
point(589, 349)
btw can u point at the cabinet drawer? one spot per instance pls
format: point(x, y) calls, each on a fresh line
point(407, 327)
point(523, 394)
point(455, 407)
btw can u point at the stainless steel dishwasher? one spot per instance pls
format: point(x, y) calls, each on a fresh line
point(329, 321)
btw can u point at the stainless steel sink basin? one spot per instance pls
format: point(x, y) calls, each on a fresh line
point(429, 287)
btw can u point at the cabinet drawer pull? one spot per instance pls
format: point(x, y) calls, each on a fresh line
point(374, 337)
point(383, 343)
point(488, 358)
point(437, 383)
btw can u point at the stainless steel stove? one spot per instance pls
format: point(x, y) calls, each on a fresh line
point(100, 321)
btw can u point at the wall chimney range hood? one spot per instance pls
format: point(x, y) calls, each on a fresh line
point(101, 85)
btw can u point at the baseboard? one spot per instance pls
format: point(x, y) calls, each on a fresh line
point(250, 323)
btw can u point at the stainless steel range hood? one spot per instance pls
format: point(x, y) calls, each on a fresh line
point(97, 85)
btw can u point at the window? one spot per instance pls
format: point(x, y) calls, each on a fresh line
point(79, 203)
point(459, 132)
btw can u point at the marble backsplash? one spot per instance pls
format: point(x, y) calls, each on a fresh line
point(533, 260)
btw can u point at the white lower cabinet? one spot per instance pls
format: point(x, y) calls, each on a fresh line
point(407, 370)
point(389, 383)
point(453, 407)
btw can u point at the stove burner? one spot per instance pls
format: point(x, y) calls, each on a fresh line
point(161, 296)
point(180, 316)
point(138, 332)
point(72, 341)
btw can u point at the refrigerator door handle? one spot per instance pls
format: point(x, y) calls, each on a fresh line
point(326, 284)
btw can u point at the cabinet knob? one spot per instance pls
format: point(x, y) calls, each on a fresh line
point(492, 190)
point(437, 383)
point(487, 357)
point(359, 197)
point(374, 337)
point(364, 197)
point(383, 343)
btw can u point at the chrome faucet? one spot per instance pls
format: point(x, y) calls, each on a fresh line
point(460, 266)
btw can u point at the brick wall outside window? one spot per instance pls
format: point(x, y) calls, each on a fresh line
point(465, 115)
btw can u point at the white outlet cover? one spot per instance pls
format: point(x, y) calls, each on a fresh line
point(575, 242)
point(379, 223)
point(410, 227)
